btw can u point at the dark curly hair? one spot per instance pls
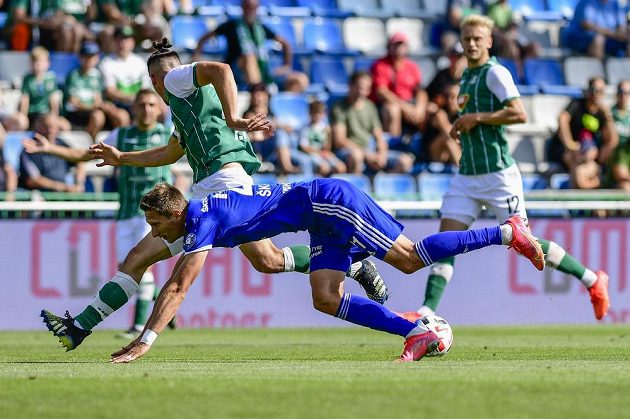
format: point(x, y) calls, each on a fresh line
point(162, 50)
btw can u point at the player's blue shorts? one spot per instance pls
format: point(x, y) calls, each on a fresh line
point(348, 226)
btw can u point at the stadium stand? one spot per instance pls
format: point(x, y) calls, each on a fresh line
point(372, 40)
point(360, 181)
point(395, 187)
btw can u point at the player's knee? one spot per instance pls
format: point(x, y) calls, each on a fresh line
point(408, 267)
point(326, 303)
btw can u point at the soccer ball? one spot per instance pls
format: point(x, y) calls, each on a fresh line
point(442, 329)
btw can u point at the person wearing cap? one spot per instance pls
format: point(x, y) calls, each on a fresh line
point(396, 88)
point(124, 72)
point(83, 100)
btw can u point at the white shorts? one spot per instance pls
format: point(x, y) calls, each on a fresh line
point(501, 192)
point(128, 233)
point(229, 178)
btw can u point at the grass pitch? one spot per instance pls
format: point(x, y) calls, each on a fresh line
point(491, 372)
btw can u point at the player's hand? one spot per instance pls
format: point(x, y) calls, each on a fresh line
point(110, 155)
point(258, 122)
point(463, 124)
point(135, 350)
point(38, 144)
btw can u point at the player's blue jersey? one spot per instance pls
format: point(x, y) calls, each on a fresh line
point(341, 219)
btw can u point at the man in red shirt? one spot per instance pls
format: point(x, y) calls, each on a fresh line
point(396, 88)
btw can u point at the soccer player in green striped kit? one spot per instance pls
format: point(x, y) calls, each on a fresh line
point(203, 101)
point(133, 183)
point(488, 175)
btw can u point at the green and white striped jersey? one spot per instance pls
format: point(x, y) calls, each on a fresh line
point(485, 89)
point(201, 128)
point(134, 182)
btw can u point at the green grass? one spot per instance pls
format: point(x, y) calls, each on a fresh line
point(491, 372)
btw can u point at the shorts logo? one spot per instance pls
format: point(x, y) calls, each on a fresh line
point(316, 251)
point(190, 240)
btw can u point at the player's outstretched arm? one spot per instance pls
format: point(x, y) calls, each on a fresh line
point(221, 77)
point(41, 144)
point(158, 156)
point(169, 300)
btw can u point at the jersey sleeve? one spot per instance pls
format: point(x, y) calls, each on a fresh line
point(200, 231)
point(501, 84)
point(180, 81)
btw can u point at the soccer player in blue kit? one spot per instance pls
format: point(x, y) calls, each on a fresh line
point(345, 225)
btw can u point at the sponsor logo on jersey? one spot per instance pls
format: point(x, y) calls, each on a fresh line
point(462, 101)
point(189, 240)
point(156, 139)
point(316, 251)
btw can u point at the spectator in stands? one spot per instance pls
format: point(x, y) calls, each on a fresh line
point(357, 133)
point(45, 172)
point(396, 88)
point(598, 27)
point(437, 144)
point(145, 18)
point(501, 14)
point(8, 178)
point(39, 90)
point(586, 136)
point(17, 29)
point(247, 51)
point(449, 75)
point(61, 24)
point(316, 141)
point(83, 101)
point(124, 72)
point(619, 165)
point(278, 149)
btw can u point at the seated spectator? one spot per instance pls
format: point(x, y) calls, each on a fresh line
point(396, 88)
point(61, 24)
point(8, 178)
point(46, 172)
point(83, 101)
point(357, 134)
point(586, 137)
point(501, 14)
point(449, 75)
point(39, 90)
point(316, 141)
point(275, 147)
point(124, 72)
point(598, 27)
point(248, 53)
point(619, 164)
point(437, 144)
point(17, 28)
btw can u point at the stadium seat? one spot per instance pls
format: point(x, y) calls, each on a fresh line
point(329, 72)
point(539, 71)
point(435, 9)
point(564, 7)
point(324, 35)
point(406, 8)
point(372, 39)
point(324, 8)
point(11, 100)
point(533, 10)
point(285, 8)
point(533, 182)
point(527, 150)
point(433, 186)
point(284, 28)
point(13, 66)
point(512, 68)
point(61, 63)
point(410, 27)
point(427, 69)
point(188, 29)
point(365, 8)
point(290, 108)
point(547, 108)
point(299, 177)
point(13, 147)
point(578, 70)
point(76, 139)
point(360, 181)
point(617, 69)
point(209, 8)
point(395, 187)
point(560, 181)
point(363, 63)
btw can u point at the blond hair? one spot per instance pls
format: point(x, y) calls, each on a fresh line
point(39, 53)
point(164, 199)
point(477, 20)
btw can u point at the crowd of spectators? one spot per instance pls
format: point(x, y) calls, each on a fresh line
point(385, 121)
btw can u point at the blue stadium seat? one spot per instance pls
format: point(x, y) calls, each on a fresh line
point(13, 147)
point(61, 63)
point(395, 187)
point(533, 10)
point(323, 35)
point(563, 7)
point(290, 108)
point(286, 8)
point(360, 181)
point(540, 71)
point(284, 28)
point(533, 182)
point(209, 7)
point(324, 8)
point(560, 181)
point(188, 29)
point(330, 72)
point(14, 65)
point(266, 178)
point(433, 186)
point(364, 8)
point(363, 63)
point(512, 68)
point(406, 8)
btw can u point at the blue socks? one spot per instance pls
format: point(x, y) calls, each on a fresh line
point(365, 312)
point(450, 243)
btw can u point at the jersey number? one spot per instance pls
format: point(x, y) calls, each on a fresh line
point(513, 204)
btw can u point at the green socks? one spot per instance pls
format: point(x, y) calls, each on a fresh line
point(110, 298)
point(557, 258)
point(297, 258)
point(441, 274)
